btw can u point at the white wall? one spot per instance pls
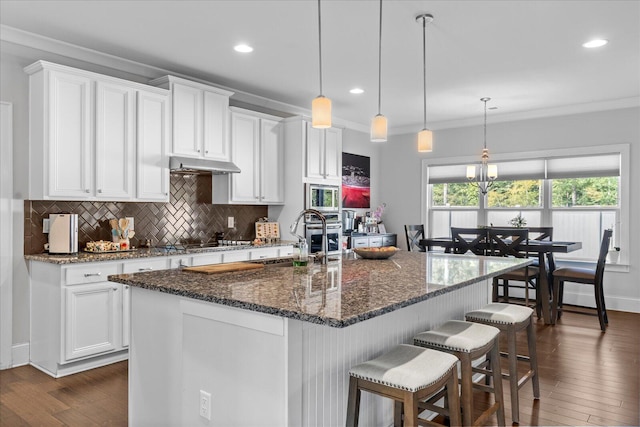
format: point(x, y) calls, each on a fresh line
point(401, 180)
point(14, 88)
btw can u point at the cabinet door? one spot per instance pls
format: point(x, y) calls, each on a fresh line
point(126, 315)
point(389, 240)
point(114, 144)
point(70, 136)
point(271, 163)
point(315, 153)
point(152, 165)
point(333, 154)
point(91, 319)
point(245, 134)
point(215, 139)
point(187, 120)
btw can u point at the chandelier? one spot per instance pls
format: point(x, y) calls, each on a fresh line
point(487, 174)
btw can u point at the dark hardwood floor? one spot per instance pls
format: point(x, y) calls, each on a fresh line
point(586, 378)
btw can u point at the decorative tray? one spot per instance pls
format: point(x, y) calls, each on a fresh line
point(108, 252)
point(376, 253)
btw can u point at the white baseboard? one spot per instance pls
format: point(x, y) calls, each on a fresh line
point(613, 302)
point(19, 356)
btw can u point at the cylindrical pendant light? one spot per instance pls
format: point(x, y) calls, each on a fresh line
point(321, 106)
point(379, 122)
point(425, 136)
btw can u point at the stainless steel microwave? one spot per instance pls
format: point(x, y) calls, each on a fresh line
point(324, 198)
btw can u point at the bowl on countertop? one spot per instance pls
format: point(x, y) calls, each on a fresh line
point(376, 253)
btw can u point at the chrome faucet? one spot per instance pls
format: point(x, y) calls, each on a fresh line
point(294, 227)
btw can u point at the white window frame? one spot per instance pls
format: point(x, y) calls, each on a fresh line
point(622, 226)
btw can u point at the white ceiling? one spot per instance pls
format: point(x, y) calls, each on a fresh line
point(526, 55)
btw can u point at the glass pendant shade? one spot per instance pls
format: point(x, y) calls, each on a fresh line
point(425, 141)
point(471, 172)
point(492, 171)
point(379, 128)
point(321, 112)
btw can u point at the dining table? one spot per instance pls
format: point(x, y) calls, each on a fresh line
point(543, 248)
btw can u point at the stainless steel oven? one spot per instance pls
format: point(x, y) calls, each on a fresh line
point(313, 233)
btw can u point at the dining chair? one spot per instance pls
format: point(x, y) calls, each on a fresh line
point(585, 276)
point(469, 239)
point(414, 233)
point(506, 242)
point(540, 234)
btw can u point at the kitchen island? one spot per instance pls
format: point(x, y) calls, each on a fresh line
point(273, 346)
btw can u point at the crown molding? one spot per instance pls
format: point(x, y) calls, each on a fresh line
point(565, 110)
point(27, 40)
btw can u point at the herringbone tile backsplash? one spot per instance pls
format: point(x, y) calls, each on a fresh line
point(189, 217)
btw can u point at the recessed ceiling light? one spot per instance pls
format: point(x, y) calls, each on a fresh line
point(243, 48)
point(356, 91)
point(595, 43)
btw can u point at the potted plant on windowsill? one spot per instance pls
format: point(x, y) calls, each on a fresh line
point(518, 221)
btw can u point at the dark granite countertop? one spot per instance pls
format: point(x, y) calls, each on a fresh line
point(141, 253)
point(338, 294)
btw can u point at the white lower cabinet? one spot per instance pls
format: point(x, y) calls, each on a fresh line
point(92, 319)
point(77, 320)
point(373, 241)
point(80, 320)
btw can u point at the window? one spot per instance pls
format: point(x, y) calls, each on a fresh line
point(580, 196)
point(583, 192)
point(509, 194)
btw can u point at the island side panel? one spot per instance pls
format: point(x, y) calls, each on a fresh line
point(328, 354)
point(155, 358)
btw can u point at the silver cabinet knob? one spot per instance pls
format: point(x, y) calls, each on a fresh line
point(99, 190)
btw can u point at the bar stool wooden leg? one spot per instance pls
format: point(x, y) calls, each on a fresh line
point(497, 382)
point(466, 395)
point(353, 403)
point(533, 359)
point(513, 373)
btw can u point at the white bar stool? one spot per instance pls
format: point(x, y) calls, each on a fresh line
point(511, 319)
point(470, 341)
point(408, 375)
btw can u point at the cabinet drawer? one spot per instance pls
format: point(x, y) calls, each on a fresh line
point(148, 264)
point(286, 251)
point(359, 243)
point(233, 256)
point(389, 241)
point(375, 242)
point(206, 259)
point(264, 253)
point(90, 273)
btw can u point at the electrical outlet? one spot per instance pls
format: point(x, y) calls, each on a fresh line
point(231, 222)
point(45, 225)
point(205, 405)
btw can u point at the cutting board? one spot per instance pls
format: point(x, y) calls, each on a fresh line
point(223, 268)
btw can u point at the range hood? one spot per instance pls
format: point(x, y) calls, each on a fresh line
point(191, 166)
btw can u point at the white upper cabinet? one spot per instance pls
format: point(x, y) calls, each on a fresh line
point(115, 141)
point(257, 149)
point(152, 136)
point(199, 118)
point(323, 154)
point(64, 167)
point(83, 135)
